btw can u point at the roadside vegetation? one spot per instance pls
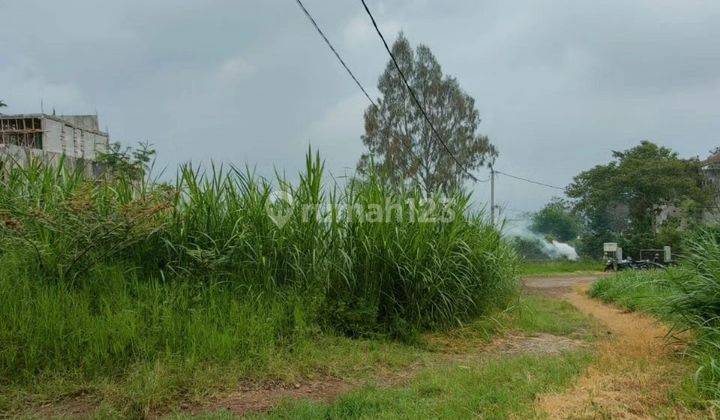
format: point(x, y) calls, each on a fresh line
point(647, 291)
point(139, 294)
point(687, 296)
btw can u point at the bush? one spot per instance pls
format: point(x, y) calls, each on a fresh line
point(405, 275)
point(119, 320)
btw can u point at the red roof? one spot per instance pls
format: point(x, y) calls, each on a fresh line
point(712, 160)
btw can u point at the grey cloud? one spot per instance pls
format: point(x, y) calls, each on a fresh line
point(558, 84)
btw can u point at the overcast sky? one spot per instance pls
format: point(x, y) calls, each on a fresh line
point(559, 84)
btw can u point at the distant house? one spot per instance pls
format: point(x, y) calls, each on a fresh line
point(711, 169)
point(48, 137)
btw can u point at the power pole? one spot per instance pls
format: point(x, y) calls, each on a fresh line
point(492, 195)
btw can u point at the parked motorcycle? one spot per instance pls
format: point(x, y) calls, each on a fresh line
point(630, 264)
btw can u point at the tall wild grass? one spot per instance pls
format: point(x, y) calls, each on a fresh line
point(697, 303)
point(97, 275)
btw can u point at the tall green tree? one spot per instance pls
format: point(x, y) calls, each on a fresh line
point(556, 220)
point(622, 200)
point(401, 144)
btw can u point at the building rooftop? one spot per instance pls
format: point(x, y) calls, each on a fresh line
point(712, 160)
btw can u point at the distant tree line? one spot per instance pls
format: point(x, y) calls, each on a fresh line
point(644, 198)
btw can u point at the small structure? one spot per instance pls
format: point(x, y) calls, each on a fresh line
point(612, 250)
point(649, 258)
point(48, 137)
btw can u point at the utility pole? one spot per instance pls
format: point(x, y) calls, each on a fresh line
point(492, 195)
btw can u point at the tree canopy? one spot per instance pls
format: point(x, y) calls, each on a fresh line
point(129, 162)
point(401, 144)
point(622, 200)
point(556, 220)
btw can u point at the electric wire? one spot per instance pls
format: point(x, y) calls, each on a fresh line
point(329, 44)
point(530, 180)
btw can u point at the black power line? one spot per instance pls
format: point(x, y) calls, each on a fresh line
point(530, 180)
point(414, 97)
point(329, 44)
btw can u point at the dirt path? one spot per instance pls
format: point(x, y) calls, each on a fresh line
point(635, 367)
point(557, 287)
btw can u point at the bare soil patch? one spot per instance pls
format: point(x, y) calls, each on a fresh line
point(77, 405)
point(557, 286)
point(256, 399)
point(547, 344)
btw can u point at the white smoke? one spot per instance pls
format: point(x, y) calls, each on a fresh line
point(565, 250)
point(553, 249)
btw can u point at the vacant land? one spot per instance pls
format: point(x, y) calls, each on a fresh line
point(212, 297)
point(686, 299)
point(554, 352)
point(494, 364)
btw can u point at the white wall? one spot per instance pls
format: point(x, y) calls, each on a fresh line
point(64, 139)
point(16, 155)
point(51, 136)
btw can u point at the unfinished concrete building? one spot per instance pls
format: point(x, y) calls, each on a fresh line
point(48, 137)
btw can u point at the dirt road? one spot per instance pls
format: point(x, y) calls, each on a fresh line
point(635, 369)
point(557, 286)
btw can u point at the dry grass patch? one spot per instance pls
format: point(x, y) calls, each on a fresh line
point(636, 369)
